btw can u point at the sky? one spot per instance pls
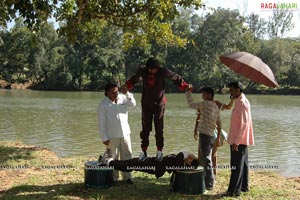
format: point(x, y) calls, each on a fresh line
point(247, 7)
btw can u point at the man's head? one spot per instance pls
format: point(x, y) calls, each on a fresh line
point(192, 160)
point(207, 93)
point(111, 91)
point(235, 89)
point(152, 65)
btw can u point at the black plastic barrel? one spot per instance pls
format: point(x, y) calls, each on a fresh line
point(97, 176)
point(189, 181)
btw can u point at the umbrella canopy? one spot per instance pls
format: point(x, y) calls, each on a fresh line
point(251, 67)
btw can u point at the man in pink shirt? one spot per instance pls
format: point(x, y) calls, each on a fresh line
point(240, 137)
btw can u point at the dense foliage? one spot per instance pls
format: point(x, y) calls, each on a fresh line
point(140, 20)
point(51, 62)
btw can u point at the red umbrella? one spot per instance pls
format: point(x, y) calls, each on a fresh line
point(251, 67)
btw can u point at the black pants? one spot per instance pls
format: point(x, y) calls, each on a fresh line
point(150, 111)
point(150, 165)
point(239, 170)
point(134, 164)
point(206, 143)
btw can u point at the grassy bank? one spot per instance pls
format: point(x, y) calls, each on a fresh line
point(29, 172)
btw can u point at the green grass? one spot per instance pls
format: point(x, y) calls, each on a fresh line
point(37, 182)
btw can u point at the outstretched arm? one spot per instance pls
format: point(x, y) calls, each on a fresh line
point(191, 102)
point(134, 79)
point(177, 79)
point(225, 106)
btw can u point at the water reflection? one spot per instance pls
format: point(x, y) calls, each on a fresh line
point(65, 122)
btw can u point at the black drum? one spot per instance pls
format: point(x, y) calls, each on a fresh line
point(97, 176)
point(189, 181)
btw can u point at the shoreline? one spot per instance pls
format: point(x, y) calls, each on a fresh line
point(281, 92)
point(277, 91)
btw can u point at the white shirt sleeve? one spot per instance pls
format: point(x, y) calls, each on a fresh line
point(102, 123)
point(185, 154)
point(130, 100)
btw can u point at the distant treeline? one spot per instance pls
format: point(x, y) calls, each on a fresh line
point(50, 62)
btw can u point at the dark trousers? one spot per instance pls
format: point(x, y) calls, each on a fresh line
point(134, 164)
point(206, 144)
point(239, 170)
point(149, 165)
point(150, 112)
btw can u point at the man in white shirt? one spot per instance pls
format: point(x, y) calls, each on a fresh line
point(113, 124)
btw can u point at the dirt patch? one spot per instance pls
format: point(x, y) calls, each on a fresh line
point(18, 86)
point(17, 172)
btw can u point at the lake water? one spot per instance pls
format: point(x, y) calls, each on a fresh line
point(66, 123)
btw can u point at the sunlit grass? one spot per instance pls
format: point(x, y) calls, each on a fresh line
point(60, 182)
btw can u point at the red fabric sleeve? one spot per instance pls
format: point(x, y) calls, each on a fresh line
point(164, 100)
point(129, 85)
point(183, 86)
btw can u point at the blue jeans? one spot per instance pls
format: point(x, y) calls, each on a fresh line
point(206, 144)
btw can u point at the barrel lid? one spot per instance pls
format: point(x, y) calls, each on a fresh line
point(197, 170)
point(92, 163)
point(95, 165)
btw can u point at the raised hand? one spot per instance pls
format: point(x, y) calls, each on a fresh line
point(124, 89)
point(189, 87)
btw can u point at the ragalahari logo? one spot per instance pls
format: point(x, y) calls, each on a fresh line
point(270, 6)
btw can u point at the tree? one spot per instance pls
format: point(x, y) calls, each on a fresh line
point(222, 32)
point(141, 20)
point(4, 37)
point(182, 60)
point(16, 51)
point(280, 23)
point(276, 53)
point(257, 25)
point(44, 57)
point(293, 74)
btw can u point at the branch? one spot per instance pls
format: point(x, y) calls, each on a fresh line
point(81, 5)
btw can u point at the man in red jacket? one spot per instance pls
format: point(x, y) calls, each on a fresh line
point(153, 101)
